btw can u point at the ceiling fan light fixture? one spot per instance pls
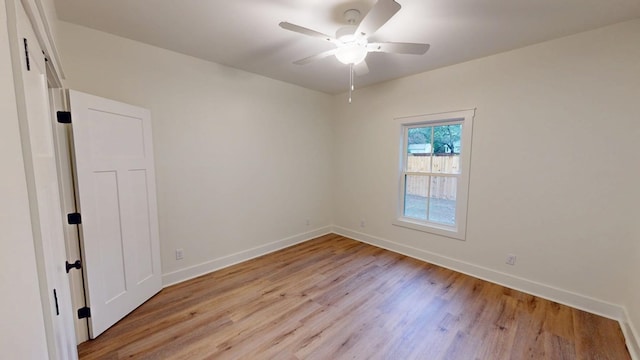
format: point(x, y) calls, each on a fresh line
point(351, 54)
point(352, 41)
point(353, 47)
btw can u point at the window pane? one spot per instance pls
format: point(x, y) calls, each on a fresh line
point(442, 200)
point(417, 138)
point(419, 149)
point(415, 196)
point(446, 149)
point(446, 164)
point(418, 163)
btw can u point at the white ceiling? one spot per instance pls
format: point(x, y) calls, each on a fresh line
point(244, 34)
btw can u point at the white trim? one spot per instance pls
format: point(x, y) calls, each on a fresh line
point(631, 335)
point(38, 17)
point(432, 228)
point(206, 267)
point(464, 118)
point(575, 300)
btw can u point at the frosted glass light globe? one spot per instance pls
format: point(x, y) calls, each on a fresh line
point(351, 54)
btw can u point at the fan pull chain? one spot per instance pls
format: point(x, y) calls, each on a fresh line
point(351, 88)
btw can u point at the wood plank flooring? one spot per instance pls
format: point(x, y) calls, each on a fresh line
point(336, 298)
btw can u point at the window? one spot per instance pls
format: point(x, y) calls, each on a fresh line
point(434, 172)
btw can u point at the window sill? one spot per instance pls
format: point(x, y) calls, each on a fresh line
point(430, 228)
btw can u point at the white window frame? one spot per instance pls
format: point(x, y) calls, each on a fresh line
point(464, 117)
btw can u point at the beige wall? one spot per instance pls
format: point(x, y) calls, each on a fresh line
point(22, 333)
point(241, 160)
point(554, 164)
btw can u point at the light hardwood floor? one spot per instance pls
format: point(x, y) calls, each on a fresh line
point(336, 298)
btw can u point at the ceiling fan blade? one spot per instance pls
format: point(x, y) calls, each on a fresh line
point(361, 68)
point(381, 12)
point(315, 57)
point(305, 31)
point(398, 48)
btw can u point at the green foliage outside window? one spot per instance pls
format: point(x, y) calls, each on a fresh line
point(446, 138)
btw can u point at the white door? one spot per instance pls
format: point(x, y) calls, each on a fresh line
point(42, 179)
point(117, 201)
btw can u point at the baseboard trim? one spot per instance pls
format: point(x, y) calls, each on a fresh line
point(631, 336)
point(194, 271)
point(548, 292)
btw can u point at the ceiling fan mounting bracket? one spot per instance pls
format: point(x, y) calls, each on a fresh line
point(352, 16)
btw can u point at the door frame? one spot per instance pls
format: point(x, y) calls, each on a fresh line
point(38, 21)
point(63, 140)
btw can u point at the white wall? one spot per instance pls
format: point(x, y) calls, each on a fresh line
point(241, 160)
point(554, 161)
point(22, 333)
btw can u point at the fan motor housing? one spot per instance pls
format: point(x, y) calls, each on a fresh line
point(346, 33)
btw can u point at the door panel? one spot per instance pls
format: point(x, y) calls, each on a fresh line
point(117, 198)
point(141, 234)
point(110, 229)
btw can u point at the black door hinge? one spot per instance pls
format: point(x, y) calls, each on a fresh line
point(26, 54)
point(76, 265)
point(84, 312)
point(64, 117)
point(55, 297)
point(74, 219)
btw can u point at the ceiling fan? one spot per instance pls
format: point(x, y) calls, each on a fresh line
point(352, 41)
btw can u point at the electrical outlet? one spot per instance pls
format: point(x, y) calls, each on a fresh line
point(511, 259)
point(308, 222)
point(363, 223)
point(179, 254)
